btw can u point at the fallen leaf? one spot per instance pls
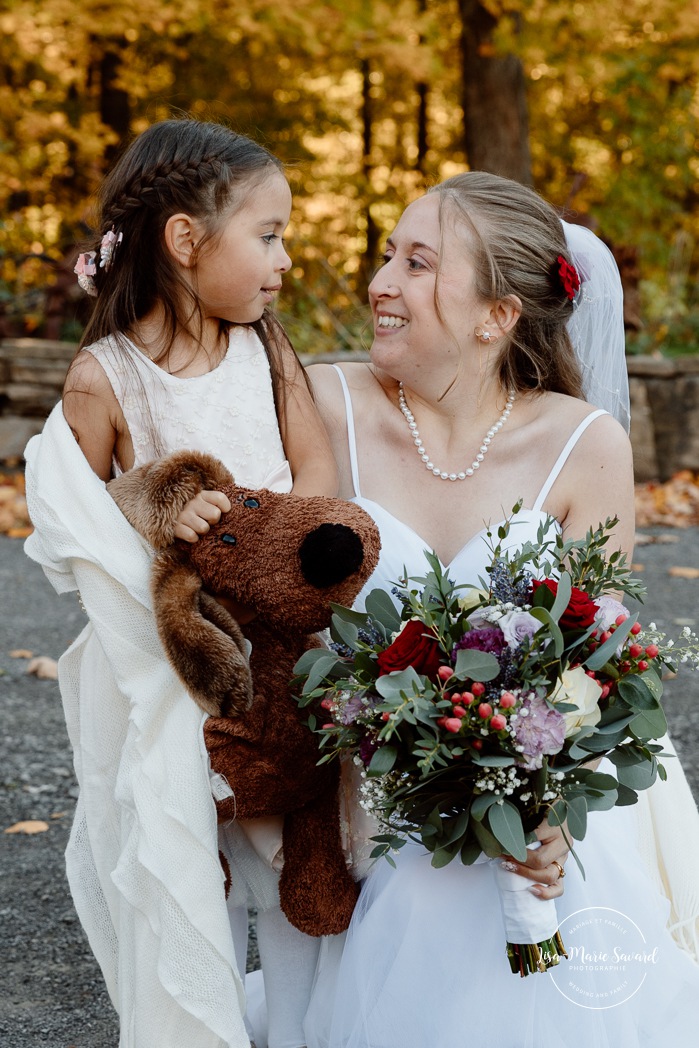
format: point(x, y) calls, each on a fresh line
point(14, 518)
point(58, 814)
point(29, 826)
point(646, 540)
point(684, 573)
point(21, 653)
point(43, 667)
point(638, 567)
point(674, 503)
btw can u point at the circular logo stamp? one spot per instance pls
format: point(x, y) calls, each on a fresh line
point(608, 958)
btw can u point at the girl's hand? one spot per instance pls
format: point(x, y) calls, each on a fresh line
point(200, 513)
point(545, 864)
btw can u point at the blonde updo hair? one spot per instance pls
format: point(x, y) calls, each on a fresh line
point(516, 239)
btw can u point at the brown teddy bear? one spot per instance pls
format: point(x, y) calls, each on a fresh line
point(287, 558)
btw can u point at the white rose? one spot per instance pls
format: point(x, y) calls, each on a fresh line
point(581, 691)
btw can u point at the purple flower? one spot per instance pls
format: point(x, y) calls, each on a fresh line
point(518, 625)
point(489, 638)
point(348, 713)
point(366, 749)
point(538, 730)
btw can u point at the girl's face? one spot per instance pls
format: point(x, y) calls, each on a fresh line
point(424, 263)
point(238, 274)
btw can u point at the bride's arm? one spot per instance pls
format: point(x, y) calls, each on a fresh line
point(596, 484)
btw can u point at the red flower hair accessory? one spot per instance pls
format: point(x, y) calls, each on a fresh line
point(568, 276)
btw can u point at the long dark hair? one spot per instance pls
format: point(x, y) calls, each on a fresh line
point(202, 169)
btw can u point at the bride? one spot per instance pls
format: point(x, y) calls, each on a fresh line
point(472, 401)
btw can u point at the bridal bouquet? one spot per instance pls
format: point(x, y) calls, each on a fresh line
point(476, 712)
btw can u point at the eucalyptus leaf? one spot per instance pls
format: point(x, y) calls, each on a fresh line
point(577, 816)
point(319, 671)
point(476, 665)
point(380, 606)
point(345, 632)
point(359, 618)
point(635, 692)
point(310, 657)
point(393, 685)
point(382, 761)
point(638, 776)
point(506, 825)
point(649, 724)
point(480, 805)
point(606, 651)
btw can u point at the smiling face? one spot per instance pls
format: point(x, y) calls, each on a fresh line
point(239, 271)
point(423, 298)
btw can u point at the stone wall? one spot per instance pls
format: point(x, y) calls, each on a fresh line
point(664, 404)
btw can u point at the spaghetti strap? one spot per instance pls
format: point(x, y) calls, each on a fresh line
point(351, 438)
point(563, 457)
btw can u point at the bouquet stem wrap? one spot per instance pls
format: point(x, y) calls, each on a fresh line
point(531, 924)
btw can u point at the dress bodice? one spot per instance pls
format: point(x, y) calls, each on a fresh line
point(228, 412)
point(403, 550)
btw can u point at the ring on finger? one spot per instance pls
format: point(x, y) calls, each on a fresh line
point(561, 871)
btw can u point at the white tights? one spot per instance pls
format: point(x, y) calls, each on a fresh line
point(288, 959)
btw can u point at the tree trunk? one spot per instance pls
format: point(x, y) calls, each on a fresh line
point(368, 261)
point(494, 99)
point(113, 100)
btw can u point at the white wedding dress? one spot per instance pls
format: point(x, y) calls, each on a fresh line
point(423, 964)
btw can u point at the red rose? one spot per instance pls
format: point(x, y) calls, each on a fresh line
point(581, 610)
point(414, 646)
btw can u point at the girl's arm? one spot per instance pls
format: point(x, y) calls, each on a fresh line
point(92, 412)
point(304, 436)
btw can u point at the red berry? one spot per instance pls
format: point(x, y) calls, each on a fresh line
point(441, 721)
point(477, 688)
point(327, 703)
point(624, 667)
point(507, 700)
point(621, 619)
point(643, 665)
point(652, 651)
point(636, 629)
point(455, 697)
point(594, 633)
point(467, 698)
point(452, 724)
point(485, 710)
point(459, 711)
point(327, 727)
point(605, 636)
point(477, 744)
point(635, 650)
point(605, 691)
point(385, 716)
point(593, 645)
point(591, 673)
point(498, 722)
point(445, 672)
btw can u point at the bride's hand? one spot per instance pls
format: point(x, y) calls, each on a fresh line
point(545, 864)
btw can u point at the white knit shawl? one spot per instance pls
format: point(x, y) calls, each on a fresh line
point(142, 859)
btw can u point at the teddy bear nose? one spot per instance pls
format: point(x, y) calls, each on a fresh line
point(330, 554)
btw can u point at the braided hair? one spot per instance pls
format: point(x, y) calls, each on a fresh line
point(182, 165)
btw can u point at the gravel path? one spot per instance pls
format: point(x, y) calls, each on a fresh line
point(52, 992)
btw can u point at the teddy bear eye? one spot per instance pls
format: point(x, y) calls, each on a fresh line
point(230, 540)
point(251, 504)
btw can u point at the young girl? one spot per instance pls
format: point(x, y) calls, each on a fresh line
point(180, 352)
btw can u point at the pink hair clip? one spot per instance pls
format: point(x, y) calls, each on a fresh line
point(85, 269)
point(109, 244)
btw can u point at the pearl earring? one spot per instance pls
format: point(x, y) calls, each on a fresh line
point(485, 336)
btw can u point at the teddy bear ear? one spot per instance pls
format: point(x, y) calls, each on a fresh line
point(152, 496)
point(329, 554)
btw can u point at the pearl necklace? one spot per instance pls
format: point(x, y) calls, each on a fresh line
point(482, 451)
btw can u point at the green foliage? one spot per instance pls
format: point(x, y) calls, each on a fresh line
point(335, 90)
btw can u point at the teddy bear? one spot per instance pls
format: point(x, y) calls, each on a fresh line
point(287, 558)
